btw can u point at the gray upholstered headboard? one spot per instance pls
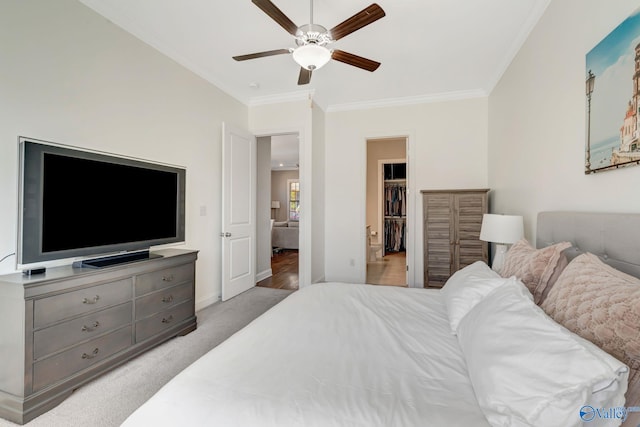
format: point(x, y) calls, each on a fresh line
point(615, 238)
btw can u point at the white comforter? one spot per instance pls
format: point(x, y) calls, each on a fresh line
point(329, 355)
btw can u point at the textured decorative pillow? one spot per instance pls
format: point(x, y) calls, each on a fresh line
point(562, 264)
point(466, 287)
point(535, 267)
point(528, 370)
point(602, 305)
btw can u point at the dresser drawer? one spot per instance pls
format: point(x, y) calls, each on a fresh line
point(60, 307)
point(149, 282)
point(164, 320)
point(163, 299)
point(55, 338)
point(62, 365)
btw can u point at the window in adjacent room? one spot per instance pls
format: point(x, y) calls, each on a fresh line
point(294, 199)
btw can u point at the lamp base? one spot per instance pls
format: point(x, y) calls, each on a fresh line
point(498, 259)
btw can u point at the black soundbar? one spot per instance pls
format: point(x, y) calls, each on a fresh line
point(111, 260)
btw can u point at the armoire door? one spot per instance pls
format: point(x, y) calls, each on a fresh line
point(452, 222)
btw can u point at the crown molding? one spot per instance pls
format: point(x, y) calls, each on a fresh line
point(301, 95)
point(408, 100)
point(535, 15)
point(120, 19)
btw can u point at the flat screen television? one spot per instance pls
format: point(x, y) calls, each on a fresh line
point(76, 203)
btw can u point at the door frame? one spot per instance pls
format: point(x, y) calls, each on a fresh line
point(413, 198)
point(304, 175)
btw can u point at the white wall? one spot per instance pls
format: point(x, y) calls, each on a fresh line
point(447, 149)
point(537, 120)
point(70, 76)
point(318, 197)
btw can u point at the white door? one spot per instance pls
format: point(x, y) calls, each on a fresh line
point(238, 211)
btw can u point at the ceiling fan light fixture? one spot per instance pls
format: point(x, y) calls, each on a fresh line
point(311, 56)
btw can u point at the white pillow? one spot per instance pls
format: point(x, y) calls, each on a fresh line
point(467, 287)
point(528, 370)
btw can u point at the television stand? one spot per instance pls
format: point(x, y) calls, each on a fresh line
point(67, 326)
point(112, 260)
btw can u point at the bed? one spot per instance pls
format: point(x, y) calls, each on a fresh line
point(479, 352)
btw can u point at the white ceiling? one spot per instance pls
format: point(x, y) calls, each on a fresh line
point(429, 49)
point(285, 152)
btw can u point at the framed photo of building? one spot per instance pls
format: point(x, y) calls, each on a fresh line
point(612, 84)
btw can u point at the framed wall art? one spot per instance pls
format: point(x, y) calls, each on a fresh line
point(613, 99)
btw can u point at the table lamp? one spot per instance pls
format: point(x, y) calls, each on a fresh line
point(502, 230)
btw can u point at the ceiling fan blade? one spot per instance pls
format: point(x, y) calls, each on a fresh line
point(355, 60)
point(304, 77)
point(261, 54)
point(363, 18)
point(277, 15)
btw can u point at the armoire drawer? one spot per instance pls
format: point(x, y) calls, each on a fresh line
point(59, 307)
point(62, 365)
point(150, 282)
point(163, 299)
point(55, 338)
point(164, 320)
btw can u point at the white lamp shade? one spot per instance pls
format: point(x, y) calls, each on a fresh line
point(311, 56)
point(275, 204)
point(504, 229)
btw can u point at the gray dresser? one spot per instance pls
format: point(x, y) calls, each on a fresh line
point(61, 329)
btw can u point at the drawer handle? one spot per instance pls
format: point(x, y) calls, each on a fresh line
point(168, 278)
point(90, 356)
point(167, 319)
point(168, 299)
point(92, 300)
point(91, 328)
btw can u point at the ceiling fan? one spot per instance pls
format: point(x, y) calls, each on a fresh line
point(312, 40)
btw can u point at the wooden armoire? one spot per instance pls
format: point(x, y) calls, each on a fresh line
point(451, 222)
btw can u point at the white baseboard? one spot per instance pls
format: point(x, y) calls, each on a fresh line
point(206, 302)
point(264, 274)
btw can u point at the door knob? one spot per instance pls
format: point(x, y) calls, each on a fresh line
point(225, 234)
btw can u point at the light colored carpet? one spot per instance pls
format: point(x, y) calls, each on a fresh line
point(111, 398)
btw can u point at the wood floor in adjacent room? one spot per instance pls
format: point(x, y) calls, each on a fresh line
point(389, 270)
point(284, 270)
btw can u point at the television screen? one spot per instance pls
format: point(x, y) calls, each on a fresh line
point(80, 203)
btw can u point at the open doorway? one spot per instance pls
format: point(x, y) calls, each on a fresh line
point(284, 203)
point(387, 211)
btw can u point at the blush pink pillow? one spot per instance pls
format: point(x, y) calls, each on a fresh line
point(602, 305)
point(536, 268)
